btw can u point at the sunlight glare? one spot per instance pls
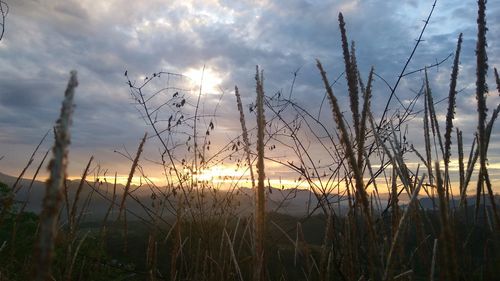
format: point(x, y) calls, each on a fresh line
point(211, 80)
point(220, 173)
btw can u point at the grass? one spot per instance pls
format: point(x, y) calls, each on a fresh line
point(191, 229)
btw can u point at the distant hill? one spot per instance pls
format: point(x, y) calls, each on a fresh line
point(429, 204)
point(296, 202)
point(97, 206)
point(35, 196)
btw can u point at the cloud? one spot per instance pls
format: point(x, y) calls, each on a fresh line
point(102, 39)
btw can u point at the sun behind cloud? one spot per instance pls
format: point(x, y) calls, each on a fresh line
point(209, 79)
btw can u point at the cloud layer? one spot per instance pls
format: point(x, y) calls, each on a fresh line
point(45, 39)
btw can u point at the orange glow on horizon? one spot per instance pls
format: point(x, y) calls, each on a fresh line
point(226, 177)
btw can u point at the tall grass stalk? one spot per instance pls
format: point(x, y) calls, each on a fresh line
point(16, 187)
point(481, 91)
point(433, 261)
point(367, 95)
point(351, 74)
point(233, 255)
point(461, 170)
point(260, 271)
point(447, 235)
point(72, 214)
point(73, 222)
point(427, 142)
point(436, 132)
point(131, 175)
point(402, 221)
point(361, 194)
point(104, 223)
point(497, 80)
point(451, 113)
point(244, 131)
point(44, 249)
point(451, 104)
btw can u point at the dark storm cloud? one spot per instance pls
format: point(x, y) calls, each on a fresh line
point(102, 39)
point(30, 94)
point(25, 111)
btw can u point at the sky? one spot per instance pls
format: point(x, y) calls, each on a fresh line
point(216, 44)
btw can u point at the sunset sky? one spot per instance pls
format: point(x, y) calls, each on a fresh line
point(45, 39)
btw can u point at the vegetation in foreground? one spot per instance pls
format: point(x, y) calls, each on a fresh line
point(190, 230)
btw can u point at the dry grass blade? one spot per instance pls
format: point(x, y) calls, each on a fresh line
point(7, 201)
point(447, 237)
point(259, 273)
point(461, 169)
point(404, 274)
point(44, 248)
point(471, 162)
point(367, 95)
point(25, 204)
point(497, 80)
point(72, 214)
point(394, 199)
point(73, 222)
point(15, 187)
point(131, 174)
point(351, 73)
point(4, 10)
point(233, 256)
point(494, 115)
point(481, 91)
point(354, 93)
point(433, 262)
point(427, 141)
point(451, 104)
point(244, 134)
point(485, 173)
point(491, 197)
point(432, 117)
point(110, 208)
point(361, 194)
point(344, 137)
point(414, 196)
point(71, 265)
point(326, 248)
